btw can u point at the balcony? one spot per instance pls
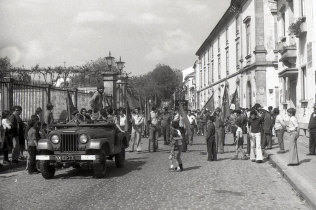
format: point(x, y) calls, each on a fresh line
point(288, 55)
point(289, 72)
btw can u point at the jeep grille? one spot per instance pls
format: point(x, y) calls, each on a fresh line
point(69, 143)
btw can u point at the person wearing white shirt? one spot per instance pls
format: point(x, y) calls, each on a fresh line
point(294, 134)
point(137, 121)
point(279, 127)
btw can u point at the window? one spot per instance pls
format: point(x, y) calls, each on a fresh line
point(303, 13)
point(219, 44)
point(237, 54)
point(226, 36)
point(304, 90)
point(204, 67)
point(237, 25)
point(212, 72)
point(227, 62)
point(248, 42)
point(283, 29)
point(212, 51)
point(219, 67)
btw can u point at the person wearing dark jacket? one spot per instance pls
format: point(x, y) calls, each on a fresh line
point(17, 132)
point(255, 126)
point(210, 139)
point(220, 131)
point(312, 132)
point(267, 129)
point(6, 136)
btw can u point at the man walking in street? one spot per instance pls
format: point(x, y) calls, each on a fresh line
point(165, 124)
point(220, 129)
point(16, 129)
point(136, 135)
point(312, 132)
point(192, 120)
point(255, 126)
point(153, 129)
point(210, 139)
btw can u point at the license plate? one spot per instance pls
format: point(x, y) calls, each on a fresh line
point(65, 157)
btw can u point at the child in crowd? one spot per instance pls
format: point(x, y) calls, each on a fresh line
point(43, 131)
point(176, 147)
point(32, 138)
point(239, 142)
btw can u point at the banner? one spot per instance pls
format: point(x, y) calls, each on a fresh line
point(235, 100)
point(225, 104)
point(70, 105)
point(128, 126)
point(210, 104)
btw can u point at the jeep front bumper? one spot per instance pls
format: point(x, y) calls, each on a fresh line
point(67, 157)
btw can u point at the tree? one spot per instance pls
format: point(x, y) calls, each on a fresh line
point(159, 83)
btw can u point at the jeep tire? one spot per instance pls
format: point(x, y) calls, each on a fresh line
point(99, 166)
point(47, 170)
point(120, 159)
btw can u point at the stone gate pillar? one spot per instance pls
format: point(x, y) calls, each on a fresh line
point(109, 81)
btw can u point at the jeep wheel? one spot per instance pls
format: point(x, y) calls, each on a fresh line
point(47, 170)
point(120, 159)
point(99, 166)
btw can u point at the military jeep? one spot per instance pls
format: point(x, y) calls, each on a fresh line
point(83, 145)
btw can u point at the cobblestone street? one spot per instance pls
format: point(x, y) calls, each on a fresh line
point(146, 183)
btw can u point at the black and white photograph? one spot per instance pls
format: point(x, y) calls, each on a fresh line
point(157, 104)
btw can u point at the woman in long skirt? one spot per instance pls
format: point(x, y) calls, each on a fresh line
point(294, 134)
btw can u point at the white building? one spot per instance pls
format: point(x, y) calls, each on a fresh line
point(189, 87)
point(296, 45)
point(239, 57)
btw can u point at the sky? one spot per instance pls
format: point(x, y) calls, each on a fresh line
point(143, 32)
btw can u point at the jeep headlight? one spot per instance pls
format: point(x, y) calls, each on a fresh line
point(83, 138)
point(54, 139)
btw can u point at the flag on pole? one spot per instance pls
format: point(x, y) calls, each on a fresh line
point(225, 104)
point(235, 100)
point(210, 104)
point(70, 105)
point(185, 120)
point(128, 126)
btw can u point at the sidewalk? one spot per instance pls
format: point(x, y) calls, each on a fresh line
point(302, 177)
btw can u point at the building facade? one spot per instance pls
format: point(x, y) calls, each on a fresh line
point(189, 87)
point(296, 47)
point(237, 63)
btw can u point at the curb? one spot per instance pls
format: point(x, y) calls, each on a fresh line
point(290, 177)
point(5, 168)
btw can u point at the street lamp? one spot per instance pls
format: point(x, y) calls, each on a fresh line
point(120, 65)
point(109, 60)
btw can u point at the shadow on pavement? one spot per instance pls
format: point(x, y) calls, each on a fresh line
point(191, 168)
point(112, 171)
point(305, 161)
point(220, 159)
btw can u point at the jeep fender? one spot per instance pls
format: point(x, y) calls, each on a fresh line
point(45, 144)
point(98, 144)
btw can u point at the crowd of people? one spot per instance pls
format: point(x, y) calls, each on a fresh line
point(254, 126)
point(18, 136)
